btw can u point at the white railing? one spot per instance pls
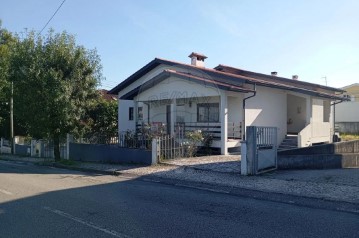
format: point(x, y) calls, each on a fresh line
point(314, 132)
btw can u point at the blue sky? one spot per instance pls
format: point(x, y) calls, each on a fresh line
point(313, 39)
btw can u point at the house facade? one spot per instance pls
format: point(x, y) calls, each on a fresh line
point(223, 101)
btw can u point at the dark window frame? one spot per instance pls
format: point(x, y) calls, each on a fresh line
point(130, 113)
point(207, 107)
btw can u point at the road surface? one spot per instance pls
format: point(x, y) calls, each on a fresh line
point(50, 202)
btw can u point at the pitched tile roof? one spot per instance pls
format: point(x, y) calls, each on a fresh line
point(236, 77)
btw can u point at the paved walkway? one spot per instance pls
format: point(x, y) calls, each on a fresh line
point(335, 185)
point(219, 163)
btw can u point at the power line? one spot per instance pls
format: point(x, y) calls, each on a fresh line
point(52, 16)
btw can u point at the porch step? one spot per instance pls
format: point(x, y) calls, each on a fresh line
point(289, 142)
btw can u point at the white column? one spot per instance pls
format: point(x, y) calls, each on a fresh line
point(135, 114)
point(173, 115)
point(309, 109)
point(224, 123)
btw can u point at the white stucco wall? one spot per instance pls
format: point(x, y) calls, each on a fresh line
point(268, 108)
point(235, 108)
point(296, 113)
point(174, 87)
point(123, 115)
point(317, 110)
point(347, 112)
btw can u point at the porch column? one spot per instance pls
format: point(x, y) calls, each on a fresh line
point(309, 108)
point(224, 123)
point(135, 113)
point(173, 115)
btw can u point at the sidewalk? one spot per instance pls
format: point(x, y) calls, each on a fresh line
point(223, 171)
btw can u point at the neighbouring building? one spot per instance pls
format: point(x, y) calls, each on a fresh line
point(347, 113)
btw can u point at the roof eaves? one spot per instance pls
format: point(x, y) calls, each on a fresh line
point(218, 67)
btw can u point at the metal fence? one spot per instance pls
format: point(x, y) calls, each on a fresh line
point(261, 152)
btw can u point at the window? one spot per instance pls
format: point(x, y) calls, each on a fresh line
point(130, 114)
point(208, 112)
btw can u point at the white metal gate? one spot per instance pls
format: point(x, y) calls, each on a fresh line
point(261, 149)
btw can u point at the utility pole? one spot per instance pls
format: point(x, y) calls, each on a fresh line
point(325, 78)
point(12, 118)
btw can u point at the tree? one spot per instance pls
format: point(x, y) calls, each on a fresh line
point(7, 42)
point(54, 82)
point(101, 120)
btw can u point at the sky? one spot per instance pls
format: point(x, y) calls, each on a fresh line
point(318, 40)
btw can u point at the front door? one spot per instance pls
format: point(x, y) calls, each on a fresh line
point(168, 119)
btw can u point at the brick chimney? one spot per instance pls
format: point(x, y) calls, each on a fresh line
point(197, 59)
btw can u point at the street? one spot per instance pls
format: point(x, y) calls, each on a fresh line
point(50, 202)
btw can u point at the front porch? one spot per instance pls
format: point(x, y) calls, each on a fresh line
point(220, 116)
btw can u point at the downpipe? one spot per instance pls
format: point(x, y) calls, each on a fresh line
point(244, 110)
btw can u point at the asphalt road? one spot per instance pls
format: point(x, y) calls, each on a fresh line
point(50, 202)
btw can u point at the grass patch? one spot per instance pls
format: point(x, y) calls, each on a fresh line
point(67, 162)
point(349, 137)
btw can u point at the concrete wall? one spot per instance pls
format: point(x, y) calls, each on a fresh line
point(268, 108)
point(334, 148)
point(22, 149)
point(347, 112)
point(329, 156)
point(334, 161)
point(109, 154)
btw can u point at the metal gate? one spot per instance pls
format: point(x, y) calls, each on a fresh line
point(261, 149)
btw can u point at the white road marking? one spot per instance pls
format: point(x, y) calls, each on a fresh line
point(5, 192)
point(89, 224)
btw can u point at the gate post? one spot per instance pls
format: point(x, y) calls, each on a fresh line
point(248, 167)
point(244, 158)
point(69, 139)
point(32, 148)
point(154, 151)
point(41, 149)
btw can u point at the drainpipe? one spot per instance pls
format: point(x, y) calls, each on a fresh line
point(244, 110)
point(335, 103)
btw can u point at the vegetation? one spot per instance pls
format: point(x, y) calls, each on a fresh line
point(349, 137)
point(101, 120)
point(55, 83)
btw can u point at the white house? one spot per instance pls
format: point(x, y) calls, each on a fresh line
point(225, 100)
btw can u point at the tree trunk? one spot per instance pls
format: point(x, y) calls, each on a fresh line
point(57, 147)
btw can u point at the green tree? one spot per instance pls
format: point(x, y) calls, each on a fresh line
point(54, 82)
point(7, 42)
point(101, 120)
